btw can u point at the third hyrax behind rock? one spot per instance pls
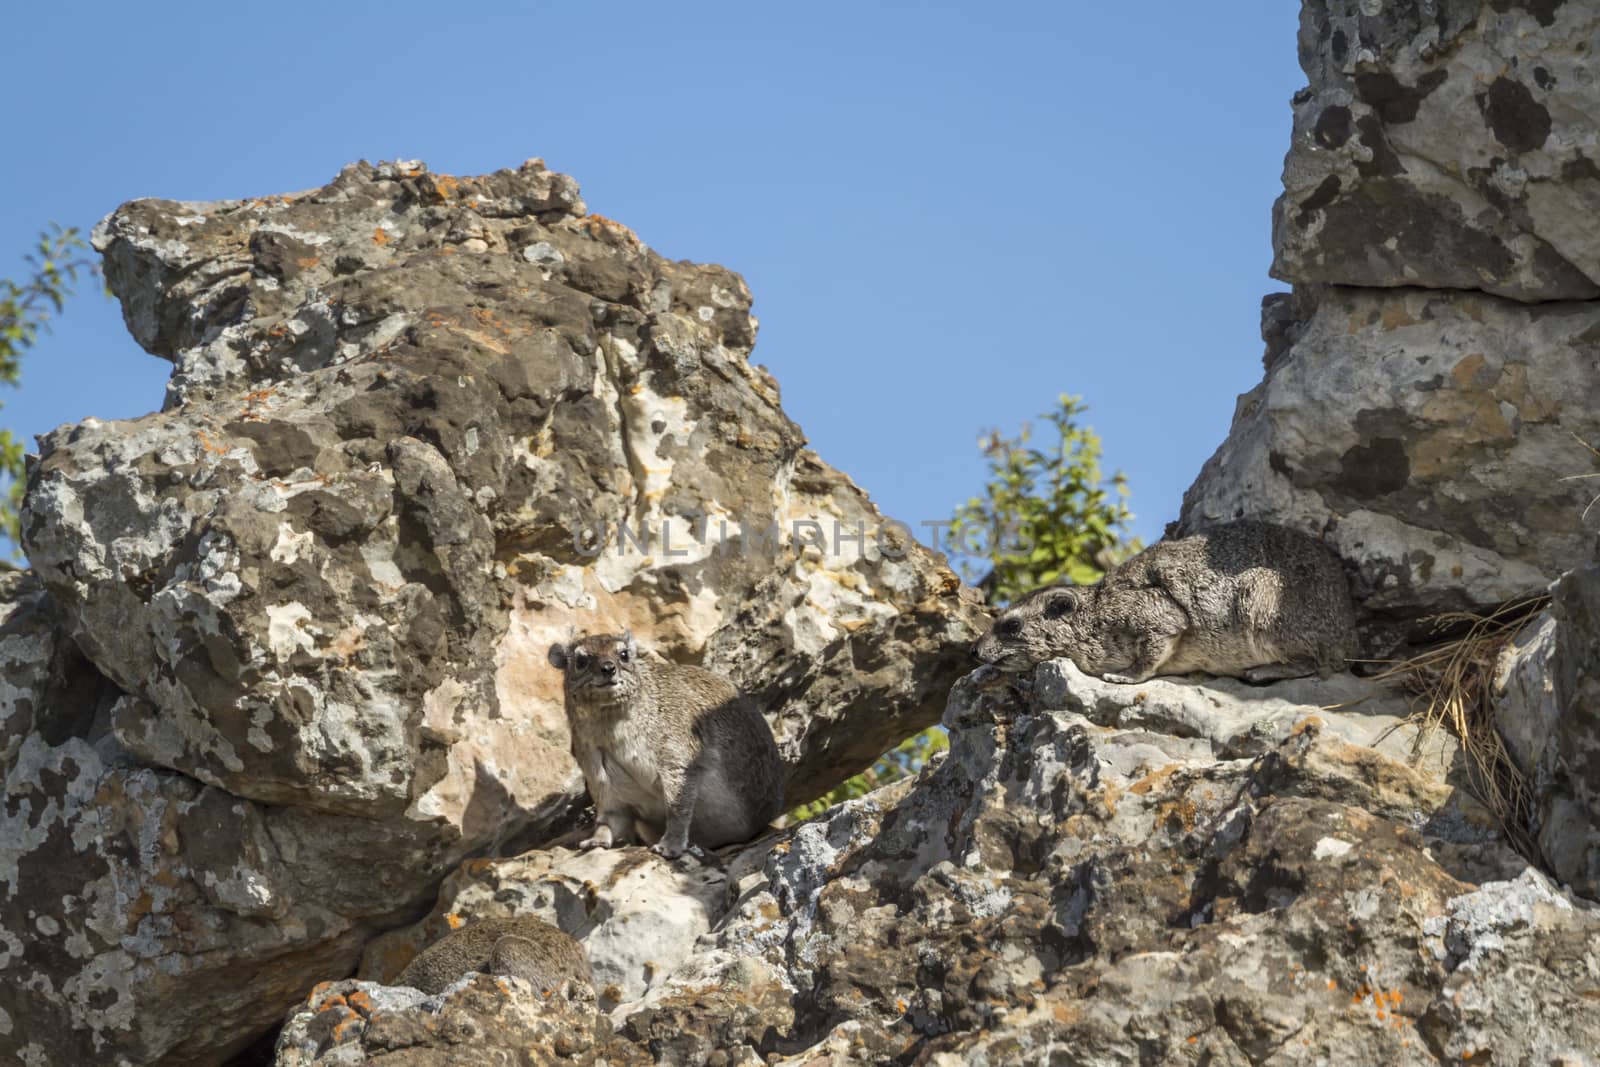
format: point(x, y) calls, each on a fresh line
point(1249, 599)
point(672, 754)
point(523, 947)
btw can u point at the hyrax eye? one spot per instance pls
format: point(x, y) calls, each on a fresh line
point(622, 655)
point(581, 661)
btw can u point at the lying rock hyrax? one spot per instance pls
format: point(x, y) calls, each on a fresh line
point(672, 754)
point(1249, 599)
point(522, 947)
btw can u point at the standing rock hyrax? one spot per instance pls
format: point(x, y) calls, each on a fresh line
point(672, 754)
point(522, 947)
point(1249, 599)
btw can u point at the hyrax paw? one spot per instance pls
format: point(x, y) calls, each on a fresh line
point(594, 842)
point(670, 851)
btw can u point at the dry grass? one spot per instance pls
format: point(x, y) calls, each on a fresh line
point(1579, 477)
point(1452, 682)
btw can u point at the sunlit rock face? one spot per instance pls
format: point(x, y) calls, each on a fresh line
point(1178, 871)
point(1432, 398)
point(1447, 145)
point(1439, 441)
point(419, 427)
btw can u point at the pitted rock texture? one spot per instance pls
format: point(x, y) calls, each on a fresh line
point(1548, 710)
point(1449, 144)
point(1438, 441)
point(145, 915)
point(1059, 891)
point(483, 1020)
point(318, 588)
point(637, 915)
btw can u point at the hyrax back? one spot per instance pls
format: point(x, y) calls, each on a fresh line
point(672, 754)
point(1249, 599)
point(522, 947)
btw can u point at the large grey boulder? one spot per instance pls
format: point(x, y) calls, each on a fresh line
point(1449, 144)
point(1439, 441)
point(409, 415)
point(1072, 883)
point(145, 915)
point(1548, 710)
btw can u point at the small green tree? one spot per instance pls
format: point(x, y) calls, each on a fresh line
point(1046, 513)
point(25, 309)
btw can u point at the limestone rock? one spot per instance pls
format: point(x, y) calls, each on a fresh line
point(317, 589)
point(1111, 892)
point(1438, 441)
point(143, 914)
point(637, 915)
point(481, 1020)
point(1548, 711)
point(1450, 145)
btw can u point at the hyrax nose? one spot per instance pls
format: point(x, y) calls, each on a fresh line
point(608, 668)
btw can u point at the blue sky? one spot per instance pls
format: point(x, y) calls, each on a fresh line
point(948, 213)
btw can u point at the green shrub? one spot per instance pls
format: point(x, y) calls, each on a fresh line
point(1046, 513)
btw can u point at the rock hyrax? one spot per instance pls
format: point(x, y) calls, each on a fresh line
point(672, 754)
point(522, 947)
point(1249, 599)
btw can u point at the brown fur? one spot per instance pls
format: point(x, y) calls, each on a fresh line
point(1250, 599)
point(522, 947)
point(672, 754)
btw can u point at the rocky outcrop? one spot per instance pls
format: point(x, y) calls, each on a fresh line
point(1448, 145)
point(276, 703)
point(1437, 440)
point(1431, 397)
point(1547, 686)
point(1082, 875)
point(288, 668)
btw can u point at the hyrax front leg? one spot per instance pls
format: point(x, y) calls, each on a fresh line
point(1150, 651)
point(682, 789)
point(611, 828)
point(613, 824)
point(1277, 672)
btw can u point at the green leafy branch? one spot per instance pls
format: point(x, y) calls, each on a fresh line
point(1046, 513)
point(25, 310)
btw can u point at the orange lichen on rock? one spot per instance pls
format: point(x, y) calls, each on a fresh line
point(600, 226)
point(1153, 779)
point(210, 445)
point(380, 237)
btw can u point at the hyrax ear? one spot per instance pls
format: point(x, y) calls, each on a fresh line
point(1058, 603)
point(558, 656)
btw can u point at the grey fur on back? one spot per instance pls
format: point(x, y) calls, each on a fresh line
point(521, 947)
point(1249, 599)
point(672, 754)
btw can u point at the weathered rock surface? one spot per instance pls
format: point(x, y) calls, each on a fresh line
point(1449, 145)
point(638, 915)
point(483, 1020)
point(1056, 890)
point(1438, 441)
point(316, 590)
point(1548, 710)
